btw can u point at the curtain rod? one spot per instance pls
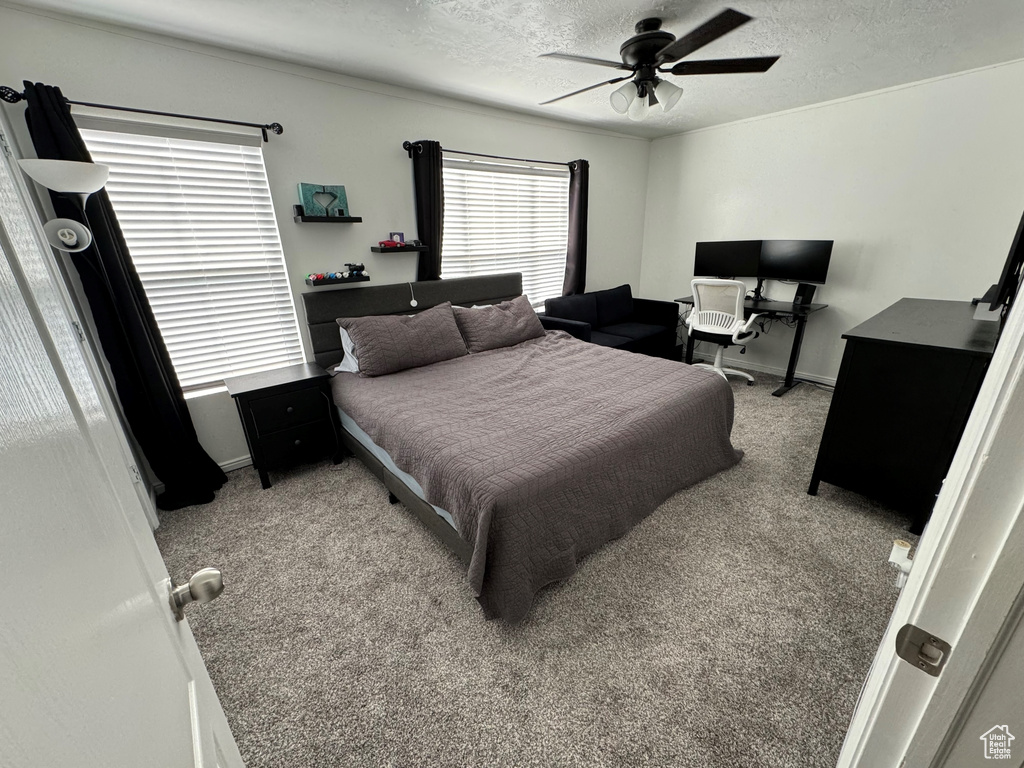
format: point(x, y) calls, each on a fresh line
point(408, 145)
point(12, 96)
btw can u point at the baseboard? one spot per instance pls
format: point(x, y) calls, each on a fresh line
point(233, 464)
point(227, 466)
point(742, 364)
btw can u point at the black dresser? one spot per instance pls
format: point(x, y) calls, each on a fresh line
point(288, 416)
point(906, 386)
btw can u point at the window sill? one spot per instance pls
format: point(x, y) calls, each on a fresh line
point(211, 390)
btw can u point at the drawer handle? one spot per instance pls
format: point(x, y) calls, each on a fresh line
point(289, 409)
point(298, 442)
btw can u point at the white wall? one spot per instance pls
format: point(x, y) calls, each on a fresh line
point(921, 187)
point(338, 130)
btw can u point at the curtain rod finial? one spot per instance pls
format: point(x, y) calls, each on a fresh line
point(276, 128)
point(10, 95)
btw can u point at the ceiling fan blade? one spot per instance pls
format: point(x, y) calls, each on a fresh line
point(584, 60)
point(724, 66)
point(709, 31)
point(588, 88)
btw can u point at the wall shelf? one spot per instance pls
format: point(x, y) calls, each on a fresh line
point(337, 280)
point(300, 217)
point(403, 249)
point(328, 219)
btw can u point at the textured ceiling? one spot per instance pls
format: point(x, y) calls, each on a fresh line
point(486, 50)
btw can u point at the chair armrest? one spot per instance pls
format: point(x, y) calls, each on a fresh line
point(573, 327)
point(741, 329)
point(654, 312)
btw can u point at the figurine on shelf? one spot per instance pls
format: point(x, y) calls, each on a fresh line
point(390, 244)
point(356, 270)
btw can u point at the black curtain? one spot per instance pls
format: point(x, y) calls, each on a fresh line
point(146, 384)
point(429, 187)
point(576, 255)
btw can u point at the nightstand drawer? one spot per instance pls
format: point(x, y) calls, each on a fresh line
point(294, 445)
point(277, 412)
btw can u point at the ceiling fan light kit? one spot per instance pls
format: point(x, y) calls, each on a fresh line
point(645, 55)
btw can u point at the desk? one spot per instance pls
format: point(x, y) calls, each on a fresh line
point(774, 310)
point(906, 387)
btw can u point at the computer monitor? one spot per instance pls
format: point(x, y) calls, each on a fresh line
point(727, 258)
point(801, 261)
point(1006, 288)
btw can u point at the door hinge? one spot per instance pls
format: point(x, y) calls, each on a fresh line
point(922, 649)
point(4, 145)
point(78, 330)
point(134, 471)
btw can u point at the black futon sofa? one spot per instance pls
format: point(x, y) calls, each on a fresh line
point(613, 318)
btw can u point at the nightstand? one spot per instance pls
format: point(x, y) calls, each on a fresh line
point(288, 416)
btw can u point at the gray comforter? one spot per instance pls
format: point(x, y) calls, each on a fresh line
point(545, 451)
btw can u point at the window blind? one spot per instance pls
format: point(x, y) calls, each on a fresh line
point(502, 217)
point(200, 226)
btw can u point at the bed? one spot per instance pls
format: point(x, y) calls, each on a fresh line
point(523, 459)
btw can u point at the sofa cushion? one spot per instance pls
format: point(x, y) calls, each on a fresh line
point(614, 305)
point(633, 330)
point(582, 307)
point(608, 339)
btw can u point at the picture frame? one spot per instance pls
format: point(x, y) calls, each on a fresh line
point(323, 199)
point(398, 237)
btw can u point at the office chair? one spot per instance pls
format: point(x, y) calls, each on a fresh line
point(717, 317)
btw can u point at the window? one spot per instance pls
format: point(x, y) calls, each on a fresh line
point(503, 217)
point(200, 225)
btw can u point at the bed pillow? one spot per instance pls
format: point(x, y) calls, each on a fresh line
point(349, 363)
point(389, 343)
point(498, 325)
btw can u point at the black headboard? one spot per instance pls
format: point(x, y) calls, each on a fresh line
point(324, 307)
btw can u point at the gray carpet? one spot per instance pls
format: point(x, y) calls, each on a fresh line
point(733, 627)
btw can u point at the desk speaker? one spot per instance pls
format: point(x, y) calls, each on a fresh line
point(804, 294)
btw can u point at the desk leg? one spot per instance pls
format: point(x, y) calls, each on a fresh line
point(794, 355)
point(689, 349)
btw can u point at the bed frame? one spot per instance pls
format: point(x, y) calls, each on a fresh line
point(323, 307)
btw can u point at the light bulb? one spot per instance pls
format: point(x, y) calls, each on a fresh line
point(622, 97)
point(668, 94)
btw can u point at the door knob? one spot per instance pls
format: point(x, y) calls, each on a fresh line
point(204, 586)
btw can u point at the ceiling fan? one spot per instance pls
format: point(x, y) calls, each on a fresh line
point(646, 54)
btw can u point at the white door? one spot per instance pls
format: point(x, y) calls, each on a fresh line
point(966, 588)
point(94, 669)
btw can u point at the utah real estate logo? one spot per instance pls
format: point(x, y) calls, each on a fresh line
point(997, 742)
